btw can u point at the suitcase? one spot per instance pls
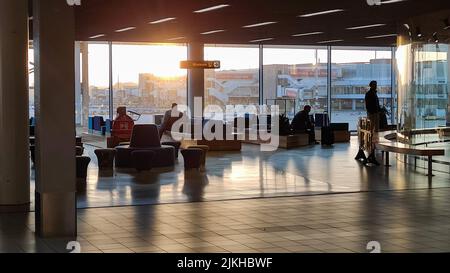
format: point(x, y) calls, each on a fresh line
point(327, 136)
point(327, 133)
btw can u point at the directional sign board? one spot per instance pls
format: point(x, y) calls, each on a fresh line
point(200, 64)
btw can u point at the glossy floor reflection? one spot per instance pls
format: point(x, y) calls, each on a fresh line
point(401, 221)
point(252, 174)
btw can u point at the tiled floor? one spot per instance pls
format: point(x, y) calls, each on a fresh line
point(306, 200)
point(251, 174)
point(401, 221)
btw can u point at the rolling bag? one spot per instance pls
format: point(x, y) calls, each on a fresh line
point(327, 133)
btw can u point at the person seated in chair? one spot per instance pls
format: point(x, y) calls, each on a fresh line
point(304, 123)
point(170, 117)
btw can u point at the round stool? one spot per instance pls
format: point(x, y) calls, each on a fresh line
point(174, 144)
point(82, 170)
point(105, 158)
point(79, 150)
point(205, 150)
point(82, 166)
point(192, 158)
point(143, 160)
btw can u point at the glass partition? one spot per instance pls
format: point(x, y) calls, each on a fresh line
point(423, 90)
point(423, 98)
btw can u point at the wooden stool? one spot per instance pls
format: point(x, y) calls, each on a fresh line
point(82, 170)
point(192, 158)
point(205, 152)
point(105, 158)
point(174, 144)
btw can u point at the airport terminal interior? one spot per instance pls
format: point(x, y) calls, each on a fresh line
point(172, 126)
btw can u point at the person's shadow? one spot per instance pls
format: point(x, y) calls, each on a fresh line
point(195, 183)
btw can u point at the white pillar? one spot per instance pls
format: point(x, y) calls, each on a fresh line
point(54, 35)
point(14, 124)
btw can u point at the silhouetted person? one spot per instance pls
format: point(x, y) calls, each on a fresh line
point(170, 117)
point(373, 105)
point(304, 123)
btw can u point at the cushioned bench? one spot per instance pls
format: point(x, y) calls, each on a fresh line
point(145, 138)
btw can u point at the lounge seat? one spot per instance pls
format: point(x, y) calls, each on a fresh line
point(145, 138)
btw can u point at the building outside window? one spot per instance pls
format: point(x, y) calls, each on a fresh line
point(31, 80)
point(147, 78)
point(237, 81)
point(295, 77)
point(98, 56)
point(353, 70)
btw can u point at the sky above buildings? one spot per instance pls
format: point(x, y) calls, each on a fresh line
point(164, 60)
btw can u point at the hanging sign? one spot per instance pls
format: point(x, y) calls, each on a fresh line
point(200, 64)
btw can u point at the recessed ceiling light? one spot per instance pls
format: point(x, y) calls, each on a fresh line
point(381, 36)
point(97, 36)
point(125, 29)
point(392, 1)
point(435, 37)
point(212, 32)
point(330, 41)
point(321, 13)
point(261, 40)
point(162, 20)
point(260, 24)
point(366, 26)
point(212, 8)
point(419, 33)
point(176, 38)
point(307, 34)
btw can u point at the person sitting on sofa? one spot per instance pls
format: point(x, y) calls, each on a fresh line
point(170, 117)
point(304, 123)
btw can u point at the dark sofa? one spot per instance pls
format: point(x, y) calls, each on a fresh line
point(145, 138)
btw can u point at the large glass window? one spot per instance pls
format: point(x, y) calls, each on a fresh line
point(31, 80)
point(237, 81)
point(147, 78)
point(98, 79)
point(295, 77)
point(353, 70)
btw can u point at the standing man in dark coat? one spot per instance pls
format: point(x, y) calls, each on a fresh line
point(373, 105)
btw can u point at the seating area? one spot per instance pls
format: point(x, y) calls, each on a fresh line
point(224, 126)
point(226, 142)
point(145, 138)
